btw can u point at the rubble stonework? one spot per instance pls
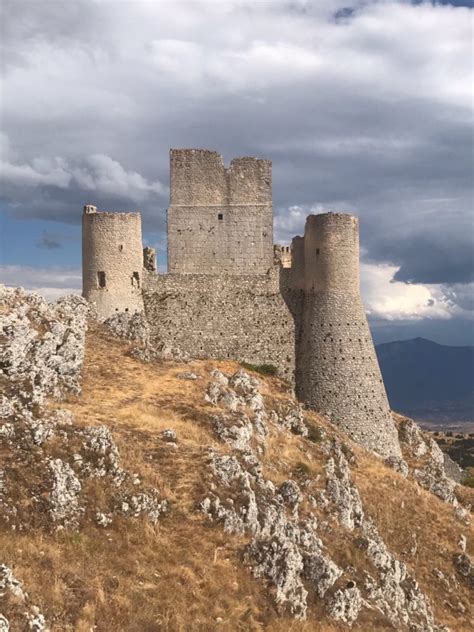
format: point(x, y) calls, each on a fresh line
point(337, 371)
point(229, 294)
point(112, 261)
point(241, 318)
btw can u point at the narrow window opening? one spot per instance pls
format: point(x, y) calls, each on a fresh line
point(220, 215)
point(136, 279)
point(101, 279)
point(317, 251)
point(120, 247)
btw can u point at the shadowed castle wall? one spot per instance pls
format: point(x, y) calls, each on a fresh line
point(112, 261)
point(337, 371)
point(219, 220)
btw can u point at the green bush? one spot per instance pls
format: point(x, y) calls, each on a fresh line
point(302, 469)
point(469, 480)
point(315, 434)
point(264, 369)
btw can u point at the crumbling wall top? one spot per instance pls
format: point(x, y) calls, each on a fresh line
point(199, 178)
point(117, 216)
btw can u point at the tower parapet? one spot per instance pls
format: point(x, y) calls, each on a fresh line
point(337, 371)
point(220, 220)
point(112, 261)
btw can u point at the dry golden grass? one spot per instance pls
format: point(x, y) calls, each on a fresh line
point(185, 574)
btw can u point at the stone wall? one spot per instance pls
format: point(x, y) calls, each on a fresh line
point(219, 220)
point(242, 318)
point(337, 372)
point(112, 261)
point(282, 255)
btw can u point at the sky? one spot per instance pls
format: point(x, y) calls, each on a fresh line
point(364, 107)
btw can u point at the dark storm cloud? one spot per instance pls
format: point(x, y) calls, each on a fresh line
point(362, 106)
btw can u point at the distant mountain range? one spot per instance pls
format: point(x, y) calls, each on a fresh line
point(428, 381)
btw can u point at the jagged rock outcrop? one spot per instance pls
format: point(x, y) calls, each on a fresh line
point(465, 568)
point(452, 469)
point(253, 478)
point(427, 461)
point(286, 543)
point(346, 604)
point(13, 596)
point(41, 358)
point(64, 495)
point(43, 347)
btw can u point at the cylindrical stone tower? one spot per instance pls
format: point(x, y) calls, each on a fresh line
point(112, 261)
point(337, 369)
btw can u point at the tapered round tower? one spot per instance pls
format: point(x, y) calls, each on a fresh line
point(338, 372)
point(112, 261)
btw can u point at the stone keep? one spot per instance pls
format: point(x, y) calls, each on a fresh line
point(112, 261)
point(220, 220)
point(337, 371)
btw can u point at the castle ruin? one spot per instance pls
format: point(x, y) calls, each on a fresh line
point(231, 294)
point(112, 261)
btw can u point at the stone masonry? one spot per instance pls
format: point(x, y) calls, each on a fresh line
point(219, 220)
point(112, 261)
point(229, 294)
point(242, 317)
point(337, 371)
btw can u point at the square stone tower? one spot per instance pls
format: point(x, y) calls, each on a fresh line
point(220, 220)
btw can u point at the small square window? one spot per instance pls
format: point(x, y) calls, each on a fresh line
point(220, 215)
point(136, 279)
point(101, 279)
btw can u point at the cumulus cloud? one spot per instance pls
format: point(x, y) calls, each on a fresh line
point(388, 299)
point(97, 173)
point(365, 108)
point(50, 282)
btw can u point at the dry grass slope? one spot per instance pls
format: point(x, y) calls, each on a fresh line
point(185, 573)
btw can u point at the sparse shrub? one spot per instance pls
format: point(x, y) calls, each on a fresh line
point(302, 469)
point(468, 481)
point(315, 434)
point(264, 369)
point(347, 452)
point(334, 419)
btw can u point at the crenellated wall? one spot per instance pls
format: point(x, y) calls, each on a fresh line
point(219, 220)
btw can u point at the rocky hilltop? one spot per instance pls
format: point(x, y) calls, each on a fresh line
point(143, 491)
